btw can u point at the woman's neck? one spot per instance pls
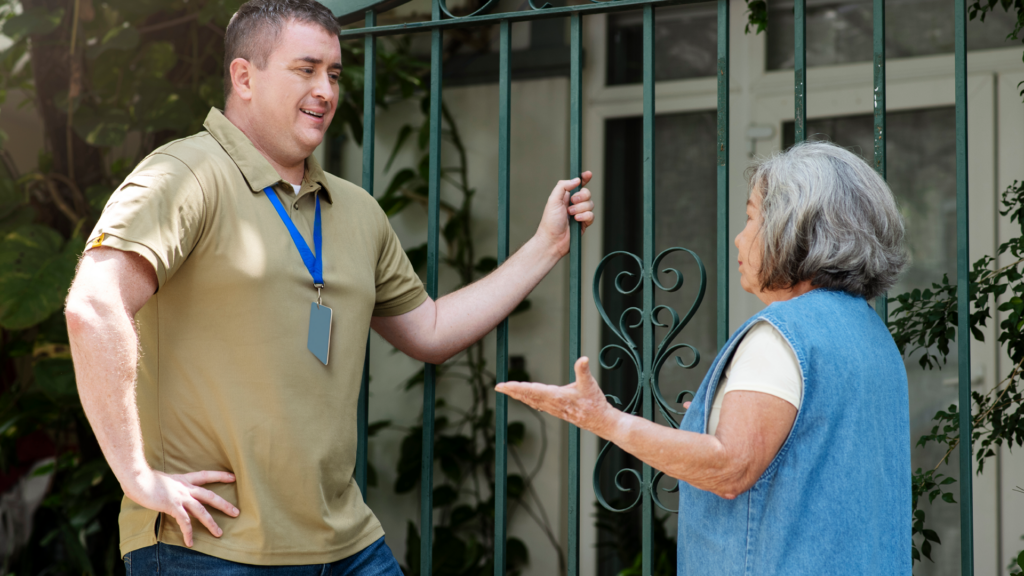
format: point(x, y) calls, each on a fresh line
point(769, 296)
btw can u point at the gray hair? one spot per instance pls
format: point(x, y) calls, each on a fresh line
point(827, 217)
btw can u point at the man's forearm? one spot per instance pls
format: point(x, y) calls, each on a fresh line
point(104, 346)
point(438, 330)
point(467, 315)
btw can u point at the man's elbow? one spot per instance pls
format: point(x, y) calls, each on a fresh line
point(81, 312)
point(429, 356)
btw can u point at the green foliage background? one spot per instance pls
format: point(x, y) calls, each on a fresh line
point(121, 78)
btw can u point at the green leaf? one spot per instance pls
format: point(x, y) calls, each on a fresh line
point(157, 59)
point(486, 264)
point(516, 487)
point(926, 550)
point(461, 515)
point(444, 495)
point(403, 135)
point(516, 433)
point(103, 127)
point(521, 307)
point(417, 256)
point(931, 535)
point(948, 497)
point(37, 20)
point(119, 38)
point(377, 426)
point(35, 273)
point(412, 550)
point(56, 378)
point(516, 552)
point(77, 552)
point(21, 216)
point(1020, 559)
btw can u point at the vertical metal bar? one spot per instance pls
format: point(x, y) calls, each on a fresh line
point(575, 277)
point(500, 400)
point(648, 289)
point(433, 223)
point(369, 121)
point(723, 172)
point(882, 302)
point(800, 70)
point(963, 295)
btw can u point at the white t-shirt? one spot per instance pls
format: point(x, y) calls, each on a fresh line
point(764, 362)
point(297, 188)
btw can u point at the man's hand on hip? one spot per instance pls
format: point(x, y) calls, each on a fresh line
point(562, 205)
point(182, 497)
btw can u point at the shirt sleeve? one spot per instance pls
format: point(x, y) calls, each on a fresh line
point(399, 288)
point(765, 362)
point(158, 212)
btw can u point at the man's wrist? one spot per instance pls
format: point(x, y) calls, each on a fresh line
point(547, 248)
point(135, 479)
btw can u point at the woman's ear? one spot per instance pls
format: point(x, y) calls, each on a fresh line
point(241, 78)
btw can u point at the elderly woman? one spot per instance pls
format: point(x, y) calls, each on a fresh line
point(794, 455)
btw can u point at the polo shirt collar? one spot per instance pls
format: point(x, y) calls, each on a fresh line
point(254, 167)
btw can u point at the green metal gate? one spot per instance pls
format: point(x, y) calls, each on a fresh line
point(648, 357)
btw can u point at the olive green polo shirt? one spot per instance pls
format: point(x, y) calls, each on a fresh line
point(225, 381)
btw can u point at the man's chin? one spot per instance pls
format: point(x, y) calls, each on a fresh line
point(310, 139)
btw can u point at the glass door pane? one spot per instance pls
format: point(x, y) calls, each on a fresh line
point(921, 167)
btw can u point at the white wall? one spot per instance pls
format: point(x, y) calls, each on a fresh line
point(539, 158)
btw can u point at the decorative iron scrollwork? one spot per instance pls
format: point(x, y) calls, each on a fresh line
point(627, 282)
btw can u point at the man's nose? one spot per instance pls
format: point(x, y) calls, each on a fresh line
point(323, 88)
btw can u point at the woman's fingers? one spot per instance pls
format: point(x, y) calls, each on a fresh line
point(535, 395)
point(210, 498)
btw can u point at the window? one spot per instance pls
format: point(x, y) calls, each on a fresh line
point(685, 44)
point(840, 32)
point(921, 165)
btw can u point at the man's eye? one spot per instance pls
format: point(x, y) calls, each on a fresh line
point(307, 70)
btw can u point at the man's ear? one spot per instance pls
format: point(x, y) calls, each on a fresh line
point(241, 78)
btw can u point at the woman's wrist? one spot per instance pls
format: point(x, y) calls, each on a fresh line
point(613, 424)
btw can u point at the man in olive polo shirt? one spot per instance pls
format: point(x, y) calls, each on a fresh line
point(215, 410)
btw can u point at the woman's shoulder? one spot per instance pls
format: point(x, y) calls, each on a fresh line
point(764, 340)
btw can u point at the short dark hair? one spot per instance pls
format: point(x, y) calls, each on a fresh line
point(253, 30)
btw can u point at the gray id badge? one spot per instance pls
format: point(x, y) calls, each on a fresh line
point(319, 340)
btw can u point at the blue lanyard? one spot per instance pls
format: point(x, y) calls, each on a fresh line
point(314, 262)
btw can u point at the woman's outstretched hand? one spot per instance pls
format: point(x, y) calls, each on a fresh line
point(581, 403)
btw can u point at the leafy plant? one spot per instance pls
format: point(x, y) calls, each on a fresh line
point(119, 79)
point(625, 542)
point(464, 437)
point(925, 322)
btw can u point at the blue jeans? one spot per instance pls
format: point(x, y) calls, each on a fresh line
point(168, 560)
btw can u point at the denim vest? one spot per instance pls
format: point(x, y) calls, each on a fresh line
point(836, 498)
